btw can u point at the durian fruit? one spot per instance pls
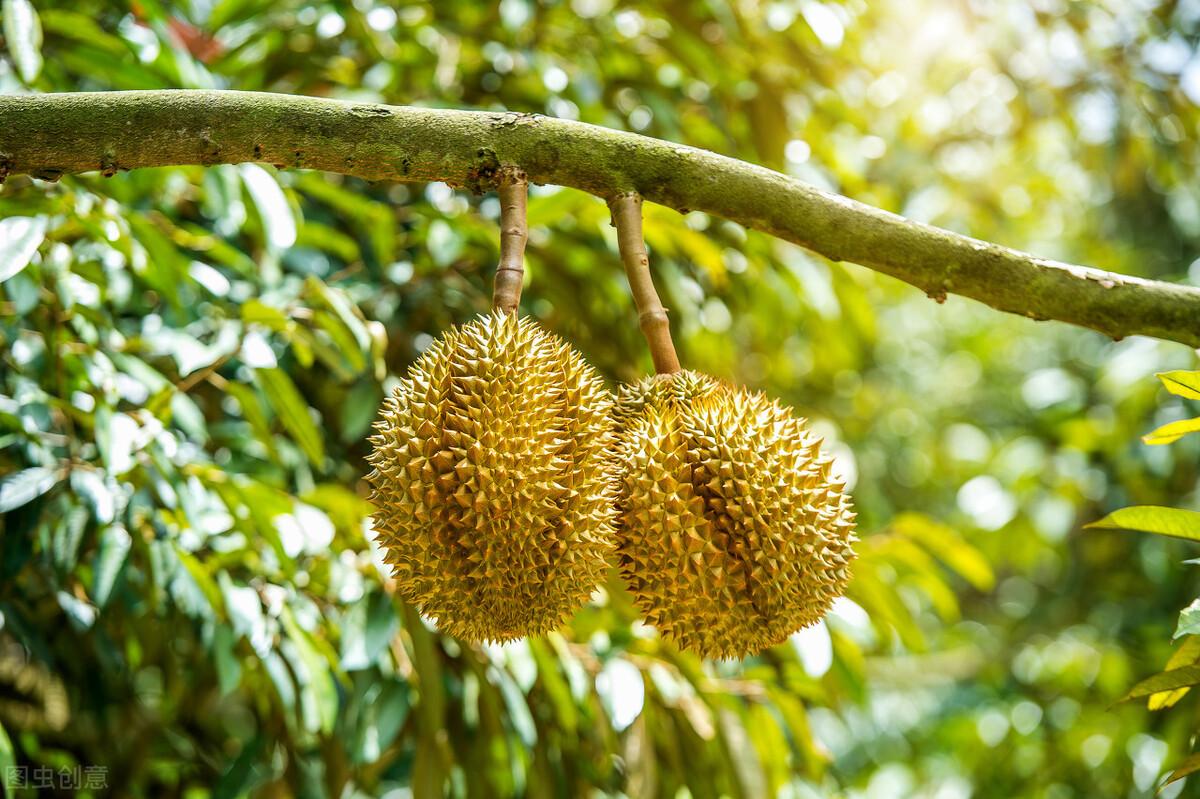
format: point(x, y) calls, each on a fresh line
point(732, 533)
point(493, 503)
point(661, 391)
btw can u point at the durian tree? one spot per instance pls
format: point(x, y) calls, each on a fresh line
point(205, 298)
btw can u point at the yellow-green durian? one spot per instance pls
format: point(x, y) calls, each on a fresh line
point(493, 503)
point(732, 532)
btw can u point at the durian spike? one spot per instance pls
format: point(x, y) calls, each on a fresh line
point(626, 212)
point(514, 232)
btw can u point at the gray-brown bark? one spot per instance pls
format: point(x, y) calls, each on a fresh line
point(51, 135)
point(652, 316)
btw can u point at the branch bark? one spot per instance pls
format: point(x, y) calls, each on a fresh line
point(626, 212)
point(48, 136)
point(514, 232)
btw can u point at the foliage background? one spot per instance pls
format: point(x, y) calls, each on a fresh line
point(190, 360)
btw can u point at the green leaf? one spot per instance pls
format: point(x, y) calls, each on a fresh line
point(229, 668)
point(948, 546)
point(1189, 620)
point(90, 486)
point(1174, 522)
point(258, 312)
point(292, 410)
point(1172, 431)
point(318, 682)
point(328, 239)
point(385, 708)
point(115, 434)
point(82, 28)
point(237, 777)
point(1187, 654)
point(519, 714)
point(281, 677)
point(279, 224)
point(343, 340)
point(375, 221)
point(68, 535)
point(342, 307)
point(23, 32)
point(207, 585)
point(1182, 383)
point(20, 237)
point(1165, 681)
point(99, 65)
point(115, 544)
point(7, 759)
point(359, 410)
point(555, 685)
point(25, 486)
point(245, 611)
point(252, 412)
point(81, 614)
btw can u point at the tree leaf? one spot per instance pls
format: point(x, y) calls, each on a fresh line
point(279, 224)
point(7, 759)
point(947, 545)
point(342, 307)
point(1174, 522)
point(1172, 431)
point(319, 680)
point(23, 32)
point(259, 313)
point(252, 412)
point(343, 340)
point(292, 410)
point(229, 668)
point(234, 781)
point(207, 585)
point(1189, 620)
point(115, 544)
point(1182, 383)
point(25, 486)
point(1165, 681)
point(1187, 654)
point(20, 236)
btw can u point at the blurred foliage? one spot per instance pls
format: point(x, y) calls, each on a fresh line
point(190, 359)
point(1182, 672)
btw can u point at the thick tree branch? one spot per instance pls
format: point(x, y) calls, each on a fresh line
point(51, 135)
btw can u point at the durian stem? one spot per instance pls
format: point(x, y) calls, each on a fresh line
point(514, 232)
point(652, 316)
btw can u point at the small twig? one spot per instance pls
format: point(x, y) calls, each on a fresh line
point(652, 316)
point(191, 381)
point(514, 232)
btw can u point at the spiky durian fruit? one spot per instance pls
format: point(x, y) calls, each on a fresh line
point(732, 532)
point(493, 502)
point(661, 391)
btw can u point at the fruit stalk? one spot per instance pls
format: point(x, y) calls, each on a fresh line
point(626, 212)
point(514, 232)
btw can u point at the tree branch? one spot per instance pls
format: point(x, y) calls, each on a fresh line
point(48, 136)
point(514, 232)
point(626, 212)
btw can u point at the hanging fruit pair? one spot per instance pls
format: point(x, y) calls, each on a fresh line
point(500, 486)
